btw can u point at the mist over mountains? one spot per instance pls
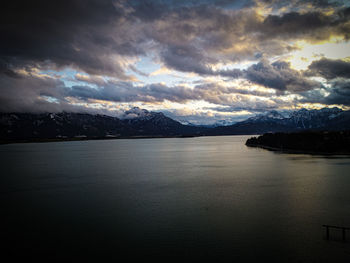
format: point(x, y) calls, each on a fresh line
point(142, 123)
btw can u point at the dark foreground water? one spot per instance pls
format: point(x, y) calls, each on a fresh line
point(181, 198)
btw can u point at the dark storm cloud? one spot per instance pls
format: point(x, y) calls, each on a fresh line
point(147, 10)
point(192, 39)
point(187, 58)
point(190, 59)
point(127, 92)
point(105, 38)
point(320, 3)
point(21, 93)
point(279, 76)
point(311, 25)
point(338, 93)
point(216, 89)
point(329, 68)
point(75, 33)
point(256, 107)
point(294, 23)
point(96, 36)
point(301, 4)
point(6, 70)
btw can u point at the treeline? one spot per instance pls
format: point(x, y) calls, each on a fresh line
point(318, 142)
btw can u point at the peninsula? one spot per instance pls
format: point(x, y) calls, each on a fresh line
point(314, 142)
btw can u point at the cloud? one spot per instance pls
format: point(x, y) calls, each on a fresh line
point(279, 76)
point(83, 34)
point(103, 37)
point(314, 25)
point(22, 93)
point(103, 40)
point(27, 90)
point(339, 93)
point(194, 39)
point(127, 92)
point(296, 24)
point(329, 68)
point(187, 58)
point(39, 93)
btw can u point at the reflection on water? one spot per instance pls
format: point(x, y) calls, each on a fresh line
point(183, 197)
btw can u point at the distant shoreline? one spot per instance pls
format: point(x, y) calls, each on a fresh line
point(2, 142)
point(316, 143)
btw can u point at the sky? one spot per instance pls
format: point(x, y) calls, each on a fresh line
point(196, 61)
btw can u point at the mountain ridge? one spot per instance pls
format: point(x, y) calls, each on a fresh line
point(139, 122)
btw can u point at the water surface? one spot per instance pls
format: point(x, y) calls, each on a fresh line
point(183, 198)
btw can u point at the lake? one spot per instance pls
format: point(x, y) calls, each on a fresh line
point(171, 198)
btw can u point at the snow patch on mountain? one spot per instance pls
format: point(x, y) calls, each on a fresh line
point(269, 116)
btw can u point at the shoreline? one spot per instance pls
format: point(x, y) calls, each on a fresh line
point(3, 142)
point(265, 147)
point(307, 142)
point(293, 151)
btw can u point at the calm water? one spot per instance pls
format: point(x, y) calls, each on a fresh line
point(182, 198)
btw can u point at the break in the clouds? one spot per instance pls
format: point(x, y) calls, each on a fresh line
point(207, 60)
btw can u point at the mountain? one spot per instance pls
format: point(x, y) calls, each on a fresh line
point(314, 119)
point(59, 125)
point(272, 121)
point(27, 126)
point(212, 125)
point(139, 122)
point(339, 122)
point(303, 119)
point(269, 116)
point(144, 122)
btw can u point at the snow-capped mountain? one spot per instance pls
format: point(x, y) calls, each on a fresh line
point(138, 113)
point(269, 116)
point(300, 119)
point(211, 125)
point(27, 126)
point(303, 119)
point(222, 123)
point(154, 123)
point(140, 122)
point(309, 119)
